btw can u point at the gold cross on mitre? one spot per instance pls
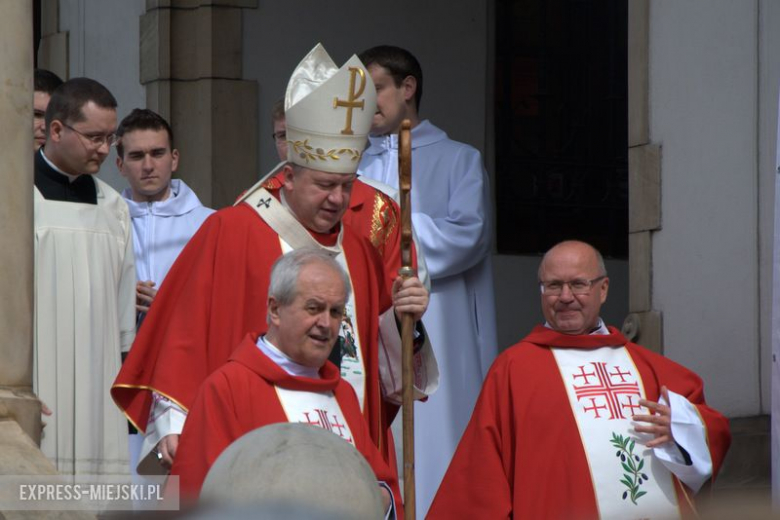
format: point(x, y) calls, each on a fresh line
point(317, 92)
point(350, 103)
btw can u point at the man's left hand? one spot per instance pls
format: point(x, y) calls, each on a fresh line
point(657, 424)
point(144, 295)
point(409, 296)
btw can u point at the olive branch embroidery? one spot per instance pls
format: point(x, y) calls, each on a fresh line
point(632, 465)
point(306, 151)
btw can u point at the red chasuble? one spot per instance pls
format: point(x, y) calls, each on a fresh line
point(522, 456)
point(215, 294)
point(373, 215)
point(242, 396)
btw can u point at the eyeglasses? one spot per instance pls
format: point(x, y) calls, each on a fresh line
point(95, 141)
point(578, 286)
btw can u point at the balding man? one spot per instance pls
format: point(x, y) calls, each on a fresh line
point(576, 422)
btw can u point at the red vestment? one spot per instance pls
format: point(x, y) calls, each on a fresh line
point(216, 293)
point(240, 397)
point(521, 455)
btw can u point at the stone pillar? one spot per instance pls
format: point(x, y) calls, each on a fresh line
point(191, 65)
point(53, 53)
point(643, 324)
point(16, 218)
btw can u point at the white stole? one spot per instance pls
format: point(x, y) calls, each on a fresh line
point(319, 409)
point(604, 387)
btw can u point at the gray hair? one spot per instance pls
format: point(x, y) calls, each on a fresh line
point(287, 268)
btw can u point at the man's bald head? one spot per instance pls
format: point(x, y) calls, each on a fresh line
point(574, 285)
point(580, 248)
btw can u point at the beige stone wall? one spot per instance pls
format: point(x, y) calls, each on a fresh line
point(643, 324)
point(53, 51)
point(191, 65)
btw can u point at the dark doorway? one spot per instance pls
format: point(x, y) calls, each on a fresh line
point(36, 30)
point(561, 124)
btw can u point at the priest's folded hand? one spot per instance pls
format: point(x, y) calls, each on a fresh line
point(409, 296)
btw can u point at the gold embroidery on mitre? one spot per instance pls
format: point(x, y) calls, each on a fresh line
point(350, 103)
point(383, 221)
point(308, 152)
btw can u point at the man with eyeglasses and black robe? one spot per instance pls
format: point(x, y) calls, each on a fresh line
point(577, 422)
point(84, 284)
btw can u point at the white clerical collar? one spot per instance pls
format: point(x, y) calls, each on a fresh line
point(284, 362)
point(70, 177)
point(600, 328)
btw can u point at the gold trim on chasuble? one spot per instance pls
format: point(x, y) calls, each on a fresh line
point(604, 386)
point(272, 184)
point(383, 220)
point(150, 389)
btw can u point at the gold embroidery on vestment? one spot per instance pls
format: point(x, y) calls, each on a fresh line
point(383, 221)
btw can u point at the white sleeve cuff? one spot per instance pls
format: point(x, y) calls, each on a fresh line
point(165, 418)
point(691, 435)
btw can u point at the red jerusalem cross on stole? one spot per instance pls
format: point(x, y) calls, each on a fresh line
point(320, 409)
point(604, 388)
point(613, 393)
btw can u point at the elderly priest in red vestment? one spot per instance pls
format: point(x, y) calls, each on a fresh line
point(282, 375)
point(576, 422)
point(215, 293)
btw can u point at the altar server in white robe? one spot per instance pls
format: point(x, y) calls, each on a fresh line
point(84, 284)
point(165, 212)
point(451, 216)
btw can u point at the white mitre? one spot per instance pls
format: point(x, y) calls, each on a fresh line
point(328, 112)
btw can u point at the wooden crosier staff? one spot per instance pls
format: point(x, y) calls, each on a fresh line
point(407, 321)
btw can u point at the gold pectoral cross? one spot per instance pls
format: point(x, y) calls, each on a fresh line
point(350, 102)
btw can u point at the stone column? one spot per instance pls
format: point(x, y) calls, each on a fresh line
point(191, 64)
point(16, 218)
point(643, 325)
point(53, 53)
